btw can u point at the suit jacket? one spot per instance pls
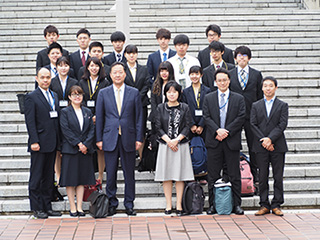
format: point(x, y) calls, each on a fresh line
point(253, 90)
point(41, 128)
point(108, 119)
point(84, 85)
point(154, 60)
point(76, 63)
point(208, 75)
point(111, 58)
point(72, 135)
point(204, 57)
point(272, 127)
point(189, 98)
point(43, 59)
point(142, 82)
point(162, 121)
point(106, 69)
point(57, 88)
point(234, 120)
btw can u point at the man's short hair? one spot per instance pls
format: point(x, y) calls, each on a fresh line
point(50, 29)
point(221, 70)
point(54, 45)
point(95, 44)
point(163, 33)
point(131, 49)
point(196, 69)
point(117, 36)
point(215, 28)
point(271, 79)
point(181, 39)
point(40, 68)
point(118, 63)
point(242, 50)
point(216, 46)
point(83, 30)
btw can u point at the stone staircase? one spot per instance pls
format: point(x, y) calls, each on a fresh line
point(283, 36)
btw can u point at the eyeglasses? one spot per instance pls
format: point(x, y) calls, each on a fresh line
point(212, 34)
point(242, 55)
point(74, 95)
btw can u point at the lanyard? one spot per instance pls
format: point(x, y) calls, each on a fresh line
point(225, 102)
point(89, 86)
point(198, 96)
point(53, 103)
point(64, 89)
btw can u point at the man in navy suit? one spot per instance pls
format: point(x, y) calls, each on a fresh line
point(213, 33)
point(41, 116)
point(246, 81)
point(78, 58)
point(163, 54)
point(118, 39)
point(119, 134)
point(269, 119)
point(51, 34)
point(224, 114)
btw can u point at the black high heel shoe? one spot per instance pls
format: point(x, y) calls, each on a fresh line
point(73, 214)
point(179, 213)
point(167, 212)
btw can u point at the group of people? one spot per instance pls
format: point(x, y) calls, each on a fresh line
point(87, 105)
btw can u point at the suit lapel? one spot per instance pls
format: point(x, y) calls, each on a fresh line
point(126, 94)
point(112, 98)
point(85, 120)
point(191, 95)
point(274, 108)
point(75, 118)
point(237, 78)
point(43, 99)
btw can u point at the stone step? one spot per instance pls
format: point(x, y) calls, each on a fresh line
point(151, 188)
point(290, 173)
point(158, 203)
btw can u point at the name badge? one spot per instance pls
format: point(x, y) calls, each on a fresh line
point(63, 103)
point(90, 103)
point(198, 113)
point(53, 114)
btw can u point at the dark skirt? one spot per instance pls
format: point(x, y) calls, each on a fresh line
point(77, 169)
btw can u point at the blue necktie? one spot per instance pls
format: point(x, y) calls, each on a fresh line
point(49, 101)
point(165, 57)
point(223, 112)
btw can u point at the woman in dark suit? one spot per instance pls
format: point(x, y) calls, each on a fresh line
point(173, 161)
point(61, 85)
point(165, 73)
point(93, 80)
point(194, 96)
point(77, 147)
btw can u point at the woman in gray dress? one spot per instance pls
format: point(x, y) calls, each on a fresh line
point(173, 121)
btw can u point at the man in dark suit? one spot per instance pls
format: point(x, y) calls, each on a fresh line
point(224, 115)
point(118, 39)
point(269, 119)
point(163, 54)
point(246, 81)
point(41, 116)
point(51, 34)
point(213, 33)
point(119, 134)
point(216, 52)
point(79, 57)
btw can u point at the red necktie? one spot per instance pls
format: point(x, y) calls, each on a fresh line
point(83, 58)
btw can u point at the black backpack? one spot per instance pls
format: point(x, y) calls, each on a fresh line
point(193, 198)
point(99, 204)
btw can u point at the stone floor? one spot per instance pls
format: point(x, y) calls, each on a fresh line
point(299, 224)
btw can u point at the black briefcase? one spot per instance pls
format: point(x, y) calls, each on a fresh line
point(99, 204)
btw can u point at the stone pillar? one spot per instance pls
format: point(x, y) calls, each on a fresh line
point(123, 18)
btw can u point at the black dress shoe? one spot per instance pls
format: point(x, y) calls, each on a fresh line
point(167, 212)
point(211, 210)
point(112, 211)
point(238, 210)
point(81, 214)
point(131, 212)
point(73, 214)
point(54, 213)
point(40, 214)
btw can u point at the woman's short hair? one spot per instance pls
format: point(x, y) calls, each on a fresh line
point(175, 85)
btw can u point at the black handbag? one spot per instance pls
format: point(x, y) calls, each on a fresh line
point(149, 154)
point(21, 100)
point(99, 204)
